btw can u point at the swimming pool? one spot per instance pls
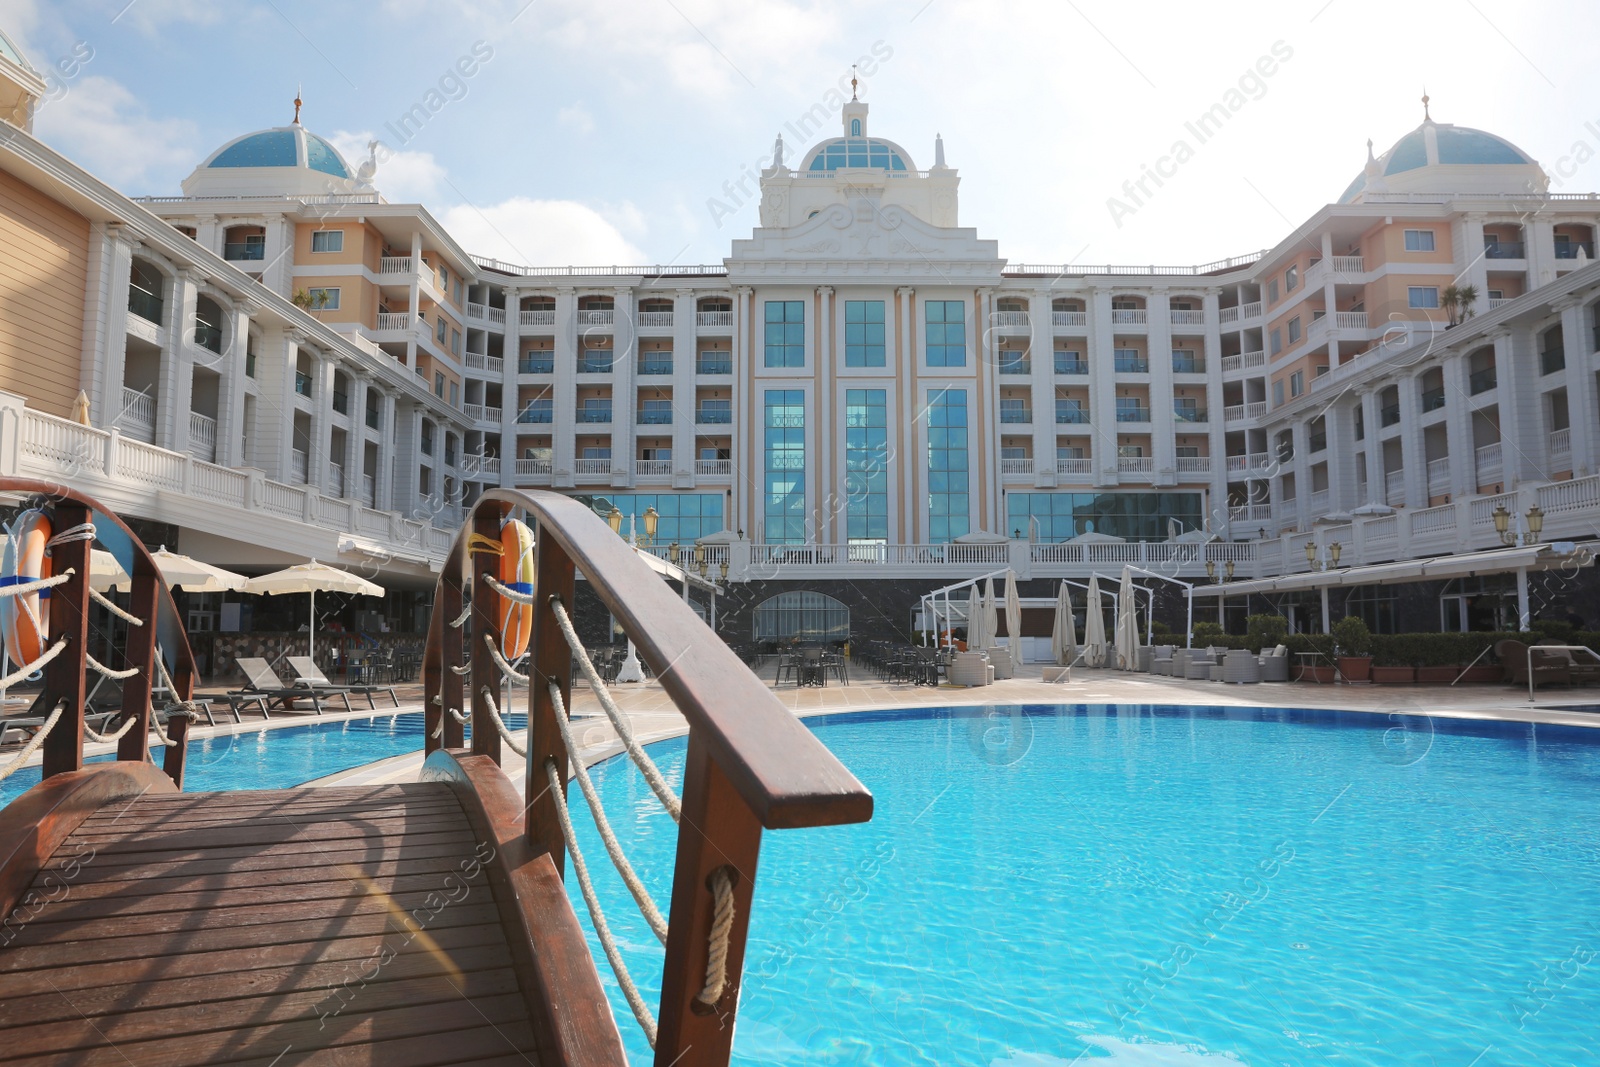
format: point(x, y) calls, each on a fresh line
point(283, 756)
point(1182, 887)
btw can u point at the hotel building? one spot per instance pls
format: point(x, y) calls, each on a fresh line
point(864, 400)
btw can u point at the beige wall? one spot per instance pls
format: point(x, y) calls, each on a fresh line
point(44, 275)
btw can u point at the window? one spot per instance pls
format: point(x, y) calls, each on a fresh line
point(655, 412)
point(1128, 361)
point(1135, 516)
point(1297, 383)
point(866, 465)
point(599, 452)
point(439, 333)
point(455, 394)
point(806, 616)
point(324, 299)
point(663, 455)
point(1277, 393)
point(948, 504)
point(444, 279)
point(1132, 409)
point(947, 334)
point(1272, 291)
point(1184, 362)
point(455, 341)
point(1423, 296)
point(1419, 241)
point(1291, 279)
point(786, 333)
point(1294, 329)
point(863, 333)
point(326, 240)
point(1186, 452)
point(784, 484)
point(1277, 341)
point(438, 383)
point(1130, 451)
point(855, 127)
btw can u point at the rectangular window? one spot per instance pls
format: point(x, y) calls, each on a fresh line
point(438, 383)
point(1130, 451)
point(680, 517)
point(1129, 361)
point(1277, 341)
point(655, 412)
point(866, 465)
point(1272, 291)
point(444, 279)
point(439, 331)
point(1277, 393)
point(863, 333)
point(1419, 240)
point(786, 333)
point(1423, 296)
point(1130, 515)
point(1294, 329)
point(1291, 279)
point(947, 334)
point(1297, 383)
point(784, 449)
point(1132, 409)
point(455, 394)
point(948, 502)
point(324, 300)
point(327, 240)
point(455, 341)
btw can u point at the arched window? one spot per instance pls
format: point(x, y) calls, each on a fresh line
point(855, 127)
point(812, 617)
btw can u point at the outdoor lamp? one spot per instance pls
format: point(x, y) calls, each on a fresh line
point(704, 567)
point(1333, 550)
point(1311, 553)
point(1211, 569)
point(615, 520)
point(1502, 519)
point(1535, 519)
point(700, 559)
point(672, 553)
point(724, 566)
point(1227, 571)
point(651, 518)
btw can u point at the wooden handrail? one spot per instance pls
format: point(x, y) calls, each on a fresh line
point(151, 600)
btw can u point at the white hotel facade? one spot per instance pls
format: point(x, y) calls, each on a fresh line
point(863, 394)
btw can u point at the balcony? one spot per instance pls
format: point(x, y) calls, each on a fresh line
point(369, 490)
point(1135, 464)
point(341, 402)
point(1244, 361)
point(1017, 467)
point(595, 412)
point(536, 365)
point(481, 413)
point(1481, 381)
point(1253, 463)
point(1238, 313)
point(1071, 414)
point(1553, 359)
point(1069, 318)
point(653, 364)
point(654, 417)
point(476, 463)
point(713, 416)
point(1486, 461)
point(596, 318)
point(302, 383)
point(532, 468)
point(374, 419)
point(1188, 364)
point(1016, 413)
point(713, 468)
point(1194, 464)
point(1394, 488)
point(145, 304)
point(298, 465)
point(1188, 318)
point(1187, 414)
point(1071, 366)
point(1133, 414)
point(241, 251)
point(713, 318)
point(588, 364)
point(1350, 320)
point(1250, 513)
point(536, 413)
point(1504, 250)
point(208, 336)
point(336, 479)
point(1574, 250)
point(1131, 365)
point(1432, 399)
point(1015, 366)
point(1077, 468)
point(1439, 476)
point(1009, 319)
point(536, 318)
point(1129, 316)
point(713, 364)
point(652, 468)
point(202, 437)
point(394, 265)
point(491, 364)
point(592, 468)
point(1561, 447)
point(655, 319)
point(1317, 442)
point(1389, 414)
point(1318, 501)
point(394, 320)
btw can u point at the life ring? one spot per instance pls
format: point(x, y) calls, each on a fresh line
point(25, 619)
point(516, 572)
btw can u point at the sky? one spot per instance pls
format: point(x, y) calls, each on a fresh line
point(599, 132)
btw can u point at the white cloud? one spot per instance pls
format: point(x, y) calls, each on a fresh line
point(576, 117)
point(404, 177)
point(104, 127)
point(541, 232)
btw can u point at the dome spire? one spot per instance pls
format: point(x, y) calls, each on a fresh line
point(297, 105)
point(1425, 116)
point(852, 81)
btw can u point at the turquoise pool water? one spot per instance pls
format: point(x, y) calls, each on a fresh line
point(1180, 887)
point(291, 755)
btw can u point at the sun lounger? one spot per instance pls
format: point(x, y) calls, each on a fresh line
point(262, 681)
point(308, 674)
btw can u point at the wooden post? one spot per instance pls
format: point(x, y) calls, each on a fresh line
point(485, 621)
point(140, 652)
point(432, 669)
point(717, 829)
point(68, 616)
point(451, 648)
point(551, 661)
point(178, 726)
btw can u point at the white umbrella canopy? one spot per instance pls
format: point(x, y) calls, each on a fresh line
point(192, 575)
point(1094, 628)
point(991, 624)
point(1064, 637)
point(105, 573)
point(1013, 617)
point(312, 578)
point(974, 619)
point(1127, 624)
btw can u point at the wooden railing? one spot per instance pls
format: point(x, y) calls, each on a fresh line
point(751, 765)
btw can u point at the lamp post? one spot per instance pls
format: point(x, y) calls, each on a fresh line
point(651, 519)
point(1530, 526)
point(631, 670)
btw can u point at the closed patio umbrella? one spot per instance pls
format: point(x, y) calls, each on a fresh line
point(1094, 628)
point(1064, 636)
point(974, 619)
point(312, 578)
point(991, 624)
point(1127, 624)
point(1014, 617)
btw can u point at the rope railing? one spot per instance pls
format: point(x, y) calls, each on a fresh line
point(111, 606)
point(33, 744)
point(500, 724)
point(500, 661)
point(187, 708)
point(115, 676)
point(24, 588)
point(116, 735)
point(25, 671)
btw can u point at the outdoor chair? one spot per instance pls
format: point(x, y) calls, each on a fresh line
point(1581, 670)
point(1274, 663)
point(308, 674)
point(1241, 667)
point(1519, 660)
point(788, 666)
point(1161, 660)
point(1197, 667)
point(262, 681)
point(811, 667)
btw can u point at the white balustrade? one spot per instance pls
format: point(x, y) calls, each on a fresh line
point(537, 318)
point(394, 265)
point(713, 318)
point(202, 436)
point(1069, 318)
point(713, 467)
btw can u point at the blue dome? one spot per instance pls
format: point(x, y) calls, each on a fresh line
point(857, 152)
point(1457, 146)
point(281, 148)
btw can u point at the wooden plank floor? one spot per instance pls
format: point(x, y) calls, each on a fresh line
point(350, 926)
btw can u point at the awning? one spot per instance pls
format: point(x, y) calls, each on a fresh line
point(1467, 564)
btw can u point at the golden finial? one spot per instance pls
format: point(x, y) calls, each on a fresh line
point(297, 105)
point(1425, 116)
point(852, 81)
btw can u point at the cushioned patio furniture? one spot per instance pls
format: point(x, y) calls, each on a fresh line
point(1000, 660)
point(1274, 663)
point(1241, 667)
point(1517, 659)
point(968, 668)
point(1161, 660)
point(1199, 664)
point(1581, 669)
point(261, 680)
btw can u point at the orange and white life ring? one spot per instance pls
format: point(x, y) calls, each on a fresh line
point(24, 619)
point(516, 572)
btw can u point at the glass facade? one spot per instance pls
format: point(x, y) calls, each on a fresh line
point(1133, 516)
point(786, 333)
point(683, 516)
point(947, 333)
point(784, 475)
point(866, 465)
point(948, 504)
point(863, 333)
point(815, 618)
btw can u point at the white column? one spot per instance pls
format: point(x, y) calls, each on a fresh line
point(747, 415)
point(1102, 388)
point(407, 456)
point(208, 235)
point(1216, 428)
point(624, 387)
point(905, 522)
point(414, 290)
point(320, 454)
point(510, 402)
point(1041, 352)
point(1522, 422)
point(278, 249)
point(1471, 263)
point(177, 365)
point(1458, 425)
point(356, 437)
point(1372, 424)
point(105, 396)
point(384, 473)
point(1582, 406)
point(684, 354)
point(827, 505)
point(564, 390)
point(1413, 454)
point(1339, 425)
point(230, 387)
point(1158, 349)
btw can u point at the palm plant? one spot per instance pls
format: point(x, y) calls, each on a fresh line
point(1450, 300)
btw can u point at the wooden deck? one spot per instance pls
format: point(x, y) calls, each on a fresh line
point(326, 926)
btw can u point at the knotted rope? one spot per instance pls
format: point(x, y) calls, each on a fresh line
point(721, 929)
point(186, 708)
point(84, 531)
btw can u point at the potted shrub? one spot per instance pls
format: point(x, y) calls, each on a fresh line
point(1319, 670)
point(1354, 642)
point(1392, 660)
